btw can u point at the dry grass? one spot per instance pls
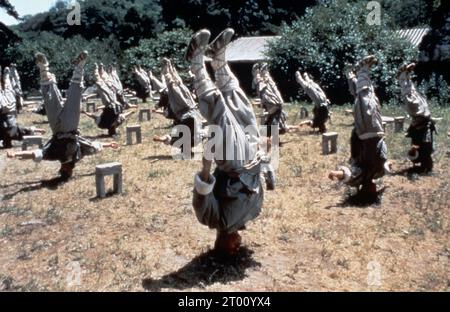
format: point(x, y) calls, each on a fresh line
point(306, 239)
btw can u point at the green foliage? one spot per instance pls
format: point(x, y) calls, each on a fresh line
point(127, 20)
point(247, 17)
point(171, 44)
point(436, 89)
point(6, 5)
point(330, 36)
point(60, 53)
point(410, 13)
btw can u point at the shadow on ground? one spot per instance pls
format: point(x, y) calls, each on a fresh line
point(51, 184)
point(158, 157)
point(360, 200)
point(204, 270)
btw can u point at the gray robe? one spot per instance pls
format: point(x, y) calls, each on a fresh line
point(9, 128)
point(422, 128)
point(416, 104)
point(367, 109)
point(369, 150)
point(234, 194)
point(66, 145)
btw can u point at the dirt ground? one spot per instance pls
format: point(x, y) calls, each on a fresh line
point(308, 237)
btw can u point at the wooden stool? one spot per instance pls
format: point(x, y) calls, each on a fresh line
point(388, 121)
point(90, 105)
point(329, 143)
point(147, 112)
point(101, 171)
point(304, 113)
point(32, 140)
point(35, 98)
point(134, 129)
point(399, 124)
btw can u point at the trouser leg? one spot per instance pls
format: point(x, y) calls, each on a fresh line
point(70, 115)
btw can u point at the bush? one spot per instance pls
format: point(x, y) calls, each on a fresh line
point(436, 89)
point(332, 35)
point(171, 44)
point(60, 53)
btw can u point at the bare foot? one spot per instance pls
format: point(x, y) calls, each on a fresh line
point(113, 145)
point(336, 175)
point(40, 131)
point(10, 154)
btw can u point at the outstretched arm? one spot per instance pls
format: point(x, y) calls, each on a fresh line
point(299, 79)
point(87, 97)
point(161, 112)
point(128, 114)
point(113, 145)
point(21, 155)
point(90, 115)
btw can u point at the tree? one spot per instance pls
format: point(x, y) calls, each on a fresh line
point(60, 53)
point(128, 20)
point(6, 5)
point(247, 17)
point(334, 34)
point(6, 35)
point(409, 13)
point(171, 44)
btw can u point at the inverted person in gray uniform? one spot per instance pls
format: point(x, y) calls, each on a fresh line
point(271, 99)
point(233, 195)
point(179, 105)
point(371, 160)
point(112, 115)
point(156, 84)
point(144, 89)
point(17, 86)
point(66, 145)
point(352, 81)
point(422, 128)
point(10, 130)
point(118, 87)
point(321, 110)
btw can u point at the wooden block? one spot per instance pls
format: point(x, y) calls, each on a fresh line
point(329, 143)
point(34, 98)
point(399, 124)
point(145, 112)
point(388, 121)
point(91, 107)
point(304, 113)
point(263, 117)
point(134, 130)
point(101, 171)
point(32, 140)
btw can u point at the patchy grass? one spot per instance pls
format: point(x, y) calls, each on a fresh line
point(149, 239)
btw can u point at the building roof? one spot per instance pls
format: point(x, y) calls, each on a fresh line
point(249, 49)
point(252, 49)
point(414, 35)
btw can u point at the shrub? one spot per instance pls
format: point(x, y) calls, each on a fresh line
point(328, 37)
point(436, 90)
point(60, 53)
point(171, 44)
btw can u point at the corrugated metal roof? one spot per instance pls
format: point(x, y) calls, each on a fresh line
point(248, 49)
point(414, 35)
point(252, 49)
